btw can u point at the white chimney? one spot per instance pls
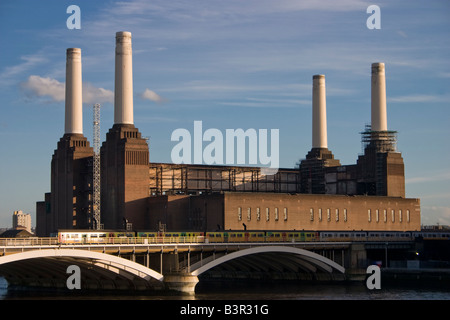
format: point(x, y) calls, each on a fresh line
point(74, 96)
point(378, 117)
point(123, 91)
point(319, 122)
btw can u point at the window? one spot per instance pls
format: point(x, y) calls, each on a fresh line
point(258, 214)
point(239, 213)
point(369, 215)
point(408, 216)
point(345, 215)
point(276, 214)
point(320, 214)
point(249, 214)
point(377, 215)
point(311, 214)
point(328, 215)
point(267, 214)
point(285, 214)
point(337, 214)
point(393, 215)
point(385, 215)
point(400, 218)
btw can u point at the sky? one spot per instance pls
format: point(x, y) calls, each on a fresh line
point(230, 64)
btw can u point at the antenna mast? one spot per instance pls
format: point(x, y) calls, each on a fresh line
point(96, 171)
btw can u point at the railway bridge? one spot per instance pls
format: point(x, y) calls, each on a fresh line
point(174, 266)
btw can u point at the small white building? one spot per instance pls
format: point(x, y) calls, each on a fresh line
point(22, 220)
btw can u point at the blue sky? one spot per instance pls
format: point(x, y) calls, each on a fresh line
point(232, 64)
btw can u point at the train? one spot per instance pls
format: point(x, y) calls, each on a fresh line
point(233, 236)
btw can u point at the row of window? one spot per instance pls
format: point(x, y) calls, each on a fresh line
point(385, 215)
point(267, 214)
point(337, 213)
point(285, 214)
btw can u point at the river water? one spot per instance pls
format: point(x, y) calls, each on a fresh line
point(237, 301)
point(252, 291)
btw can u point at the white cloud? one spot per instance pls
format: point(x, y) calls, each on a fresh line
point(419, 98)
point(29, 62)
point(402, 34)
point(195, 10)
point(41, 87)
point(55, 90)
point(268, 103)
point(93, 94)
point(432, 215)
point(152, 96)
point(429, 178)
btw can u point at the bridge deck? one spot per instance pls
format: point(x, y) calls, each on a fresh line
point(167, 247)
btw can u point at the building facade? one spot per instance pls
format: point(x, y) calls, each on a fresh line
point(21, 220)
point(281, 211)
point(322, 194)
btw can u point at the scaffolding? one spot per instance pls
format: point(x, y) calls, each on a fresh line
point(381, 141)
point(96, 169)
point(168, 178)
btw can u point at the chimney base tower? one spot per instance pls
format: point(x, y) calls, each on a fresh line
point(312, 169)
point(125, 178)
point(71, 184)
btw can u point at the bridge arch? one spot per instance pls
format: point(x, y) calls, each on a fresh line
point(48, 267)
point(299, 258)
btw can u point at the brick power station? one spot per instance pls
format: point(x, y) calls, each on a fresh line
point(321, 194)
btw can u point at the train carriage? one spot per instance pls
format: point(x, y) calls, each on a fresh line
point(275, 236)
point(192, 236)
point(237, 237)
point(388, 236)
point(311, 236)
point(82, 236)
point(170, 237)
point(74, 236)
point(256, 236)
point(299, 236)
point(343, 236)
point(213, 237)
point(146, 237)
point(432, 235)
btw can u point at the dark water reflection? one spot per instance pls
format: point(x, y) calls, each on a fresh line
point(254, 291)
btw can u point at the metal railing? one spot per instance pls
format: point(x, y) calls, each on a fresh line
point(54, 241)
point(12, 242)
point(20, 242)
